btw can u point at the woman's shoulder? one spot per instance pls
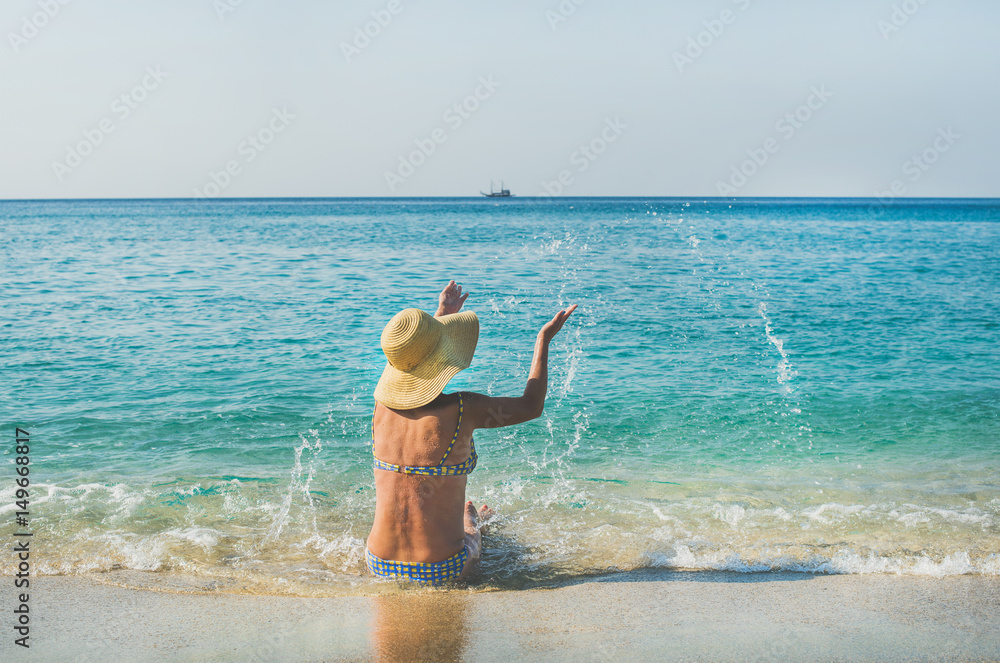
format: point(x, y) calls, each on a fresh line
point(467, 398)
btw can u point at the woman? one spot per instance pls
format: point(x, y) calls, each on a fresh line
point(424, 528)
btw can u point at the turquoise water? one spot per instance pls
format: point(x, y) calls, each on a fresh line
point(757, 385)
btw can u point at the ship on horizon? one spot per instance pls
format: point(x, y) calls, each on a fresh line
point(502, 193)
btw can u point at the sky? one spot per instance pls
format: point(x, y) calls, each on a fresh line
point(261, 98)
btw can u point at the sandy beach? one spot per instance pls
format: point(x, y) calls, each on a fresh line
point(650, 616)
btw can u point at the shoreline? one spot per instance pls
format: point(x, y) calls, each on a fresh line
point(670, 615)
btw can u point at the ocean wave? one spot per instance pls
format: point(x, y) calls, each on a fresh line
point(205, 537)
point(844, 562)
point(283, 536)
point(835, 513)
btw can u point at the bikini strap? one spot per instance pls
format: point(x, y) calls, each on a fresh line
point(461, 409)
point(373, 427)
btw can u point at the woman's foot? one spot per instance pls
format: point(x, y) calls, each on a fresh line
point(484, 514)
point(474, 528)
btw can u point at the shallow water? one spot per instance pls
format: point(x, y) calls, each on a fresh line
point(776, 384)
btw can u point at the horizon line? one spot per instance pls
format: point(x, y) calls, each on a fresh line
point(736, 199)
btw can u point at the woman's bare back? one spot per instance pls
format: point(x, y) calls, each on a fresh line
point(419, 518)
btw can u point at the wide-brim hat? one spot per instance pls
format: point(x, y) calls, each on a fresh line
point(424, 354)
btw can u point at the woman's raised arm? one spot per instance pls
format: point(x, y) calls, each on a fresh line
point(496, 412)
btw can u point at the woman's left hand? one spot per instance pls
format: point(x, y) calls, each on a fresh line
point(451, 299)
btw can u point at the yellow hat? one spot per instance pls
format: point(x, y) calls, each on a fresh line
point(424, 353)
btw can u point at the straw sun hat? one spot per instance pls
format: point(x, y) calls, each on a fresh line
point(424, 353)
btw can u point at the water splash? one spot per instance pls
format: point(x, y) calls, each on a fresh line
point(784, 370)
point(572, 362)
point(298, 484)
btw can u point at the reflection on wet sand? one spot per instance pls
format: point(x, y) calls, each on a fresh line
point(419, 626)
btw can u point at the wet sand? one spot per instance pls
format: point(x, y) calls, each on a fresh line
point(650, 616)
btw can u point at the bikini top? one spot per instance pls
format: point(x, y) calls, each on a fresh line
point(439, 470)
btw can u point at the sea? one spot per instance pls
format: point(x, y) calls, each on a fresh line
point(748, 385)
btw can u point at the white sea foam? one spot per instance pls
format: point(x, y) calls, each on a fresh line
point(205, 537)
point(568, 524)
point(122, 498)
point(827, 513)
point(131, 551)
point(912, 515)
point(843, 562)
point(730, 514)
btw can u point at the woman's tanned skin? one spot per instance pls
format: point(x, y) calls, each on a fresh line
point(427, 519)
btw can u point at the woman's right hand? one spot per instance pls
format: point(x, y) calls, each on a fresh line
point(553, 326)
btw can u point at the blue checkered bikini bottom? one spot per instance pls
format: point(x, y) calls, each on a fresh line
point(432, 572)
